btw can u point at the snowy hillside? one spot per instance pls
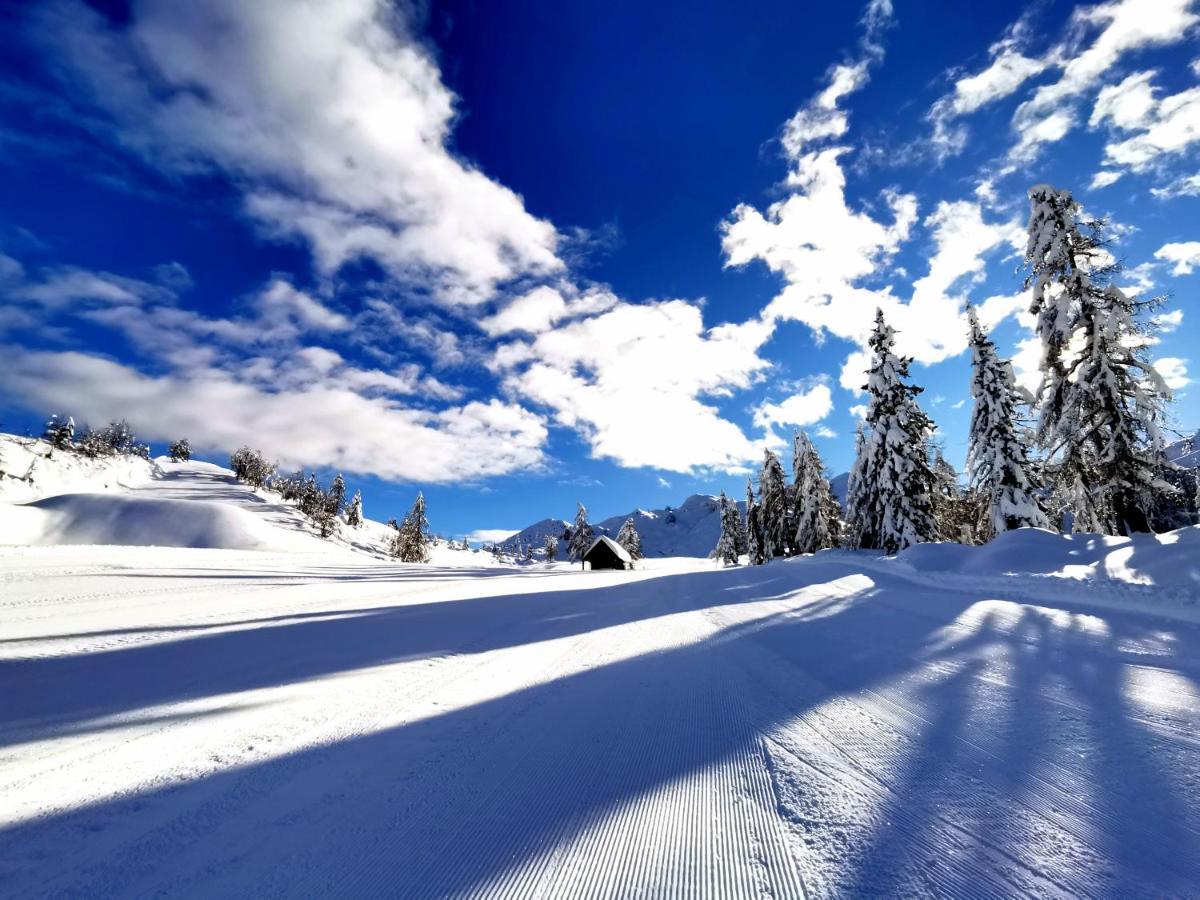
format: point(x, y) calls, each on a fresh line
point(691, 529)
point(1185, 452)
point(51, 497)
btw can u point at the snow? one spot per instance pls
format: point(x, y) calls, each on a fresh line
point(311, 719)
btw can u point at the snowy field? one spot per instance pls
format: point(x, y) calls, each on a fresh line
point(309, 719)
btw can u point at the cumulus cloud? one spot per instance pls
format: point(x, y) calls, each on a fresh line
point(332, 116)
point(1185, 255)
point(490, 535)
point(1173, 371)
point(1168, 127)
point(804, 408)
point(634, 380)
point(306, 426)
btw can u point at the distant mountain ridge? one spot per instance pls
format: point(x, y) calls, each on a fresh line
point(690, 529)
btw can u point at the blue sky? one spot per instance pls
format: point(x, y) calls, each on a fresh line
point(522, 254)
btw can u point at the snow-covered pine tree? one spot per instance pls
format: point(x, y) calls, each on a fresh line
point(997, 459)
point(1112, 408)
point(180, 450)
point(818, 514)
point(726, 551)
point(411, 543)
point(773, 510)
point(337, 494)
point(629, 538)
point(891, 502)
point(1063, 255)
point(754, 538)
point(354, 513)
point(581, 535)
point(59, 431)
point(1101, 400)
point(551, 547)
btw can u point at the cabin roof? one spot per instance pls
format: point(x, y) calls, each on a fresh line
point(621, 552)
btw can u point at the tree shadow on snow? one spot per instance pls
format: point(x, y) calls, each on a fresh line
point(450, 803)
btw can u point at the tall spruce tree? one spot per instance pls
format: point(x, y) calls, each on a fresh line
point(1101, 400)
point(998, 466)
point(726, 551)
point(773, 510)
point(818, 514)
point(629, 538)
point(581, 536)
point(891, 484)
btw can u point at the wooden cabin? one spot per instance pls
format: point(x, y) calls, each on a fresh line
point(605, 553)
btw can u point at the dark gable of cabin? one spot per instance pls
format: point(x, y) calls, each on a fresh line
point(602, 557)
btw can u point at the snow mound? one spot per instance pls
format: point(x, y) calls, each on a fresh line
point(1162, 560)
point(130, 520)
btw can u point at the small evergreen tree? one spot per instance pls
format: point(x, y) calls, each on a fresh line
point(180, 450)
point(411, 543)
point(550, 545)
point(726, 551)
point(997, 459)
point(629, 538)
point(891, 484)
point(818, 515)
point(60, 431)
point(581, 536)
point(324, 515)
point(337, 494)
point(754, 539)
point(354, 514)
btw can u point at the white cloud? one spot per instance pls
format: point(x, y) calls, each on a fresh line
point(305, 426)
point(662, 482)
point(958, 405)
point(544, 306)
point(333, 117)
point(824, 431)
point(631, 380)
point(1186, 186)
point(1103, 179)
point(281, 300)
point(1127, 105)
point(803, 408)
point(1003, 76)
point(1027, 365)
point(859, 410)
point(1173, 371)
point(1139, 279)
point(1168, 321)
point(1185, 255)
point(1097, 38)
point(490, 535)
point(1169, 127)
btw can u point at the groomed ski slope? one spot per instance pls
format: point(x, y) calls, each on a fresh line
point(207, 722)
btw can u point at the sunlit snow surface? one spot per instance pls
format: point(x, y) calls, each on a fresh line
point(314, 720)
